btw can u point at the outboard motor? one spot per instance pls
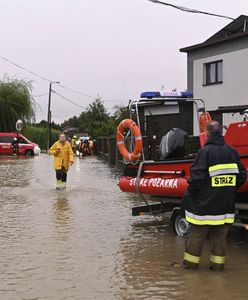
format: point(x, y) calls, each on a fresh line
point(173, 144)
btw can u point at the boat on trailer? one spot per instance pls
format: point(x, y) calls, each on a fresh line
point(162, 183)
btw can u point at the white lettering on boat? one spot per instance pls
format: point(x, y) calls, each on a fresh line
point(156, 182)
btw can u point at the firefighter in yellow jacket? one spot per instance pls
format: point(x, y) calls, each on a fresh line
point(74, 143)
point(63, 158)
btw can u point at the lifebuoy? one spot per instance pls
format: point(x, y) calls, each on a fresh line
point(129, 124)
point(204, 119)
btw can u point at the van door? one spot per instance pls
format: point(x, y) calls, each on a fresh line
point(5, 145)
point(24, 145)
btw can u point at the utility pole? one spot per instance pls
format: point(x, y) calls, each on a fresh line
point(49, 114)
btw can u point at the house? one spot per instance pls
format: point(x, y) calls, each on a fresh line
point(217, 71)
point(69, 130)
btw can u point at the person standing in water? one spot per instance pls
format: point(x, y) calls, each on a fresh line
point(209, 202)
point(63, 159)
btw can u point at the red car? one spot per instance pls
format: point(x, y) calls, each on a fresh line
point(13, 143)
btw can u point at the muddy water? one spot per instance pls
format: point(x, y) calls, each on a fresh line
point(83, 243)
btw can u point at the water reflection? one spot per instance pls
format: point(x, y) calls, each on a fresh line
point(62, 216)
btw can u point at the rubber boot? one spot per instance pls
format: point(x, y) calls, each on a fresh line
point(58, 184)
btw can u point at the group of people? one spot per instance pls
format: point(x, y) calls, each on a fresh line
point(83, 146)
point(63, 152)
point(209, 202)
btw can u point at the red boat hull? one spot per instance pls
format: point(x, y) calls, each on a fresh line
point(168, 179)
point(158, 186)
point(174, 187)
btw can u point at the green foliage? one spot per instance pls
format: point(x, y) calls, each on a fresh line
point(43, 123)
point(121, 112)
point(16, 102)
point(72, 122)
point(96, 121)
point(38, 135)
point(97, 111)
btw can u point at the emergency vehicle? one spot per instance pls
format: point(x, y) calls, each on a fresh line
point(162, 183)
point(15, 143)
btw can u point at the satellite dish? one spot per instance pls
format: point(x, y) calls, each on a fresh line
point(19, 125)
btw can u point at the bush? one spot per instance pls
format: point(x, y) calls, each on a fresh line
point(38, 135)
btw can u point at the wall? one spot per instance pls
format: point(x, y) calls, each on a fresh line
point(233, 90)
point(209, 51)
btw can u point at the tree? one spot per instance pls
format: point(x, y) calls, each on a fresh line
point(43, 124)
point(96, 120)
point(16, 102)
point(83, 126)
point(121, 112)
point(97, 111)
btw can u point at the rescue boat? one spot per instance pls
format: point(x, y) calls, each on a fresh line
point(167, 178)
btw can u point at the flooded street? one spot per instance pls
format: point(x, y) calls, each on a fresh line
point(83, 243)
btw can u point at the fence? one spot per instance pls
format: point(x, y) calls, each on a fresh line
point(106, 148)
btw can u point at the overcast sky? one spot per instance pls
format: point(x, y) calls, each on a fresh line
point(111, 48)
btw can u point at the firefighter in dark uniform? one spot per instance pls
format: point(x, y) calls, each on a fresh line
point(209, 202)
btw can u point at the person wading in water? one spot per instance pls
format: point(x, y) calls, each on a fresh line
point(63, 159)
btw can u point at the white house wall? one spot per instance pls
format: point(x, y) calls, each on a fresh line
point(233, 90)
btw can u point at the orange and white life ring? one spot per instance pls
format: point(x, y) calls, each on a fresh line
point(129, 124)
point(204, 119)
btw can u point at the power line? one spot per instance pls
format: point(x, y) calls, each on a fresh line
point(80, 93)
point(92, 97)
point(190, 10)
point(75, 91)
point(48, 80)
point(42, 95)
point(42, 77)
point(20, 67)
point(65, 98)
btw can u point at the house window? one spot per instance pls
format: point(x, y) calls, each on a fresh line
point(213, 72)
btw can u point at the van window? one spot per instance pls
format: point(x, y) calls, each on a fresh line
point(22, 141)
point(6, 139)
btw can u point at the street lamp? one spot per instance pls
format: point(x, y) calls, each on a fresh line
point(49, 114)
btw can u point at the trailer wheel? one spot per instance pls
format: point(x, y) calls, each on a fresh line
point(179, 223)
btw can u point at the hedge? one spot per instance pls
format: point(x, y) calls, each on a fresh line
point(38, 135)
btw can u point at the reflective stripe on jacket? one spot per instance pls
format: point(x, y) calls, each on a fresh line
point(214, 178)
point(64, 157)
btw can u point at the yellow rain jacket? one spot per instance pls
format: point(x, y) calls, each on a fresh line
point(64, 158)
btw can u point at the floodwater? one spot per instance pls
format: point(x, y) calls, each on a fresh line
point(83, 243)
